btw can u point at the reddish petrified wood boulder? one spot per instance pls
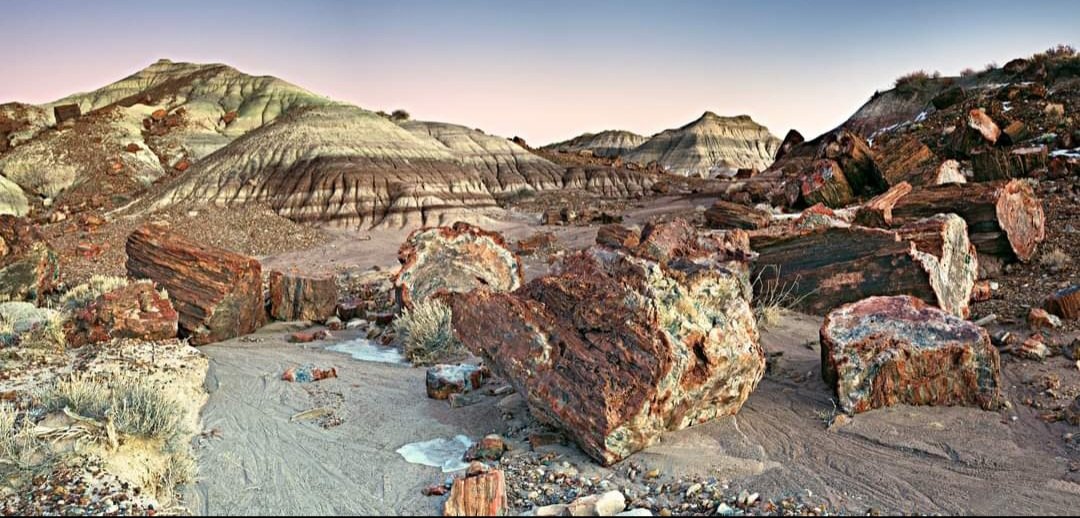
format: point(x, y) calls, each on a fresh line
point(1065, 303)
point(133, 311)
point(217, 293)
point(727, 215)
point(677, 239)
point(853, 154)
point(28, 267)
point(617, 236)
point(615, 349)
point(537, 243)
point(825, 183)
point(903, 159)
point(302, 297)
point(443, 380)
point(454, 259)
point(885, 351)
point(482, 492)
point(878, 211)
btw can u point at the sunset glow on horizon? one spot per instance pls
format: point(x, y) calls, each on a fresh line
point(545, 71)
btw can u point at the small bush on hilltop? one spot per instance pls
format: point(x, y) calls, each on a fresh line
point(916, 81)
point(399, 115)
point(83, 294)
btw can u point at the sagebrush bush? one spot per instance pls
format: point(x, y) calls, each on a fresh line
point(136, 406)
point(32, 327)
point(83, 294)
point(427, 334)
point(18, 444)
point(915, 81)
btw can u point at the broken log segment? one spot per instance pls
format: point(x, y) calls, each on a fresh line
point(218, 294)
point(902, 159)
point(818, 269)
point(878, 211)
point(1005, 219)
point(1065, 303)
point(885, 351)
point(853, 154)
point(726, 215)
point(826, 184)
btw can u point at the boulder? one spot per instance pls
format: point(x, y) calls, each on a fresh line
point(617, 236)
point(454, 259)
point(66, 112)
point(218, 294)
point(302, 297)
point(443, 380)
point(482, 492)
point(136, 310)
point(727, 215)
point(29, 274)
point(885, 351)
point(978, 130)
point(855, 158)
point(826, 184)
point(615, 348)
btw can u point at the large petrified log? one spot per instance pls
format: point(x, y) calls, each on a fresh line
point(817, 269)
point(454, 259)
point(615, 349)
point(302, 297)
point(903, 159)
point(218, 294)
point(853, 154)
point(885, 351)
point(825, 183)
point(726, 215)
point(991, 164)
point(136, 310)
point(1005, 219)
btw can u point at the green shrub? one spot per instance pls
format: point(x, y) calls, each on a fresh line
point(427, 334)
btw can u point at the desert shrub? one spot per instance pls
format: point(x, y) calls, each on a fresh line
point(136, 406)
point(83, 294)
point(773, 298)
point(26, 325)
point(180, 469)
point(990, 66)
point(967, 72)
point(18, 444)
point(399, 115)
point(1058, 51)
point(1055, 259)
point(915, 81)
point(427, 333)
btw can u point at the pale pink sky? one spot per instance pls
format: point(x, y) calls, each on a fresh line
point(545, 71)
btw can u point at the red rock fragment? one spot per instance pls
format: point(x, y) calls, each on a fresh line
point(1065, 303)
point(482, 492)
point(134, 311)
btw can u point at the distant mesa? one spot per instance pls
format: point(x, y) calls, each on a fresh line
point(708, 147)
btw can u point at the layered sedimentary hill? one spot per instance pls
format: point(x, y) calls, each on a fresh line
point(212, 134)
point(710, 146)
point(607, 144)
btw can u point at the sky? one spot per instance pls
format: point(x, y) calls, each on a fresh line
point(543, 70)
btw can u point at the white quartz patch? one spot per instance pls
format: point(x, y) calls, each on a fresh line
point(441, 453)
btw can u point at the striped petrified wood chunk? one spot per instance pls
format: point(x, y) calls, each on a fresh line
point(302, 297)
point(885, 351)
point(218, 294)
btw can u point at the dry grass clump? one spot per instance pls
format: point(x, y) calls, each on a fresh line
point(915, 81)
point(134, 404)
point(771, 299)
point(19, 446)
point(83, 294)
point(427, 333)
point(968, 72)
point(1055, 259)
point(27, 326)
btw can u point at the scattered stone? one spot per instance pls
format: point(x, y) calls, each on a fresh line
point(454, 259)
point(334, 324)
point(982, 291)
point(308, 374)
point(884, 351)
point(218, 294)
point(482, 492)
point(1039, 318)
point(136, 311)
point(615, 349)
point(490, 448)
point(1034, 348)
point(444, 380)
point(303, 337)
point(606, 504)
point(302, 297)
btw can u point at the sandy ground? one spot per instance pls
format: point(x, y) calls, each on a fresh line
point(904, 459)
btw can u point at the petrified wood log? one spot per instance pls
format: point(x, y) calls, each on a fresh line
point(454, 259)
point(482, 492)
point(825, 183)
point(1065, 303)
point(902, 159)
point(989, 164)
point(857, 161)
point(792, 139)
point(942, 246)
point(878, 211)
point(976, 130)
point(302, 297)
point(885, 351)
point(218, 294)
point(727, 215)
point(616, 349)
point(821, 268)
point(29, 269)
point(1005, 219)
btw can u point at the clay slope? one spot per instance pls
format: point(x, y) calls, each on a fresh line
point(710, 146)
point(607, 144)
point(345, 166)
point(132, 133)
